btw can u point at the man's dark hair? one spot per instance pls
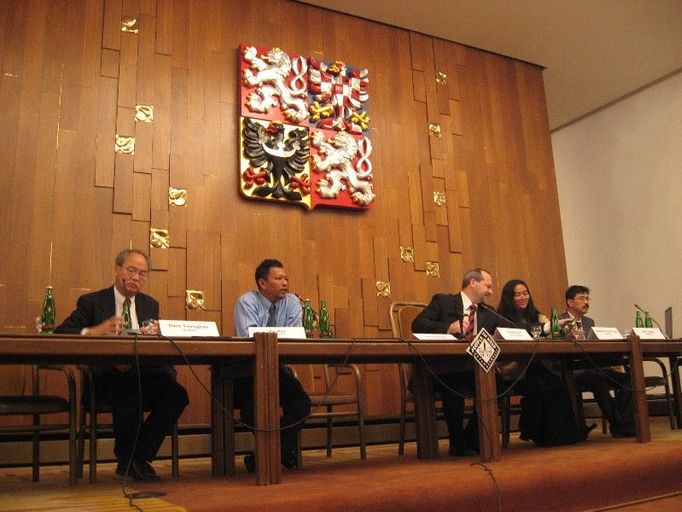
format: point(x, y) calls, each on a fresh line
point(575, 290)
point(476, 274)
point(263, 269)
point(121, 256)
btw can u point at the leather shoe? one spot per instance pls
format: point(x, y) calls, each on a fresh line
point(290, 460)
point(250, 462)
point(461, 451)
point(140, 471)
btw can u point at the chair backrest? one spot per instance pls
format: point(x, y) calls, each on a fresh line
point(402, 314)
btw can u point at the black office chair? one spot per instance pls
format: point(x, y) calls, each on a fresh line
point(37, 405)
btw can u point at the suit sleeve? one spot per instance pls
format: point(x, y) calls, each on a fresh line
point(433, 318)
point(83, 316)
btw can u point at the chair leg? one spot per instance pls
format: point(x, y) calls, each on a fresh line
point(401, 431)
point(330, 427)
point(299, 449)
point(35, 462)
point(668, 399)
point(73, 449)
point(175, 471)
point(80, 456)
point(505, 406)
point(92, 477)
point(361, 431)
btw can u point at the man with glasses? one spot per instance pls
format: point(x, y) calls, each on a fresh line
point(596, 375)
point(123, 309)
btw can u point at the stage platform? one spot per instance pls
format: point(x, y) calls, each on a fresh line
point(602, 473)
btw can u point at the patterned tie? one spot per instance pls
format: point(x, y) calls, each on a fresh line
point(579, 333)
point(472, 320)
point(125, 313)
point(272, 321)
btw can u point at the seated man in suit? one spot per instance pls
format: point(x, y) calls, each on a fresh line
point(272, 306)
point(462, 315)
point(598, 380)
point(106, 313)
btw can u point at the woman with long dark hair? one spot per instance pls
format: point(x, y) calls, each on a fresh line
point(516, 304)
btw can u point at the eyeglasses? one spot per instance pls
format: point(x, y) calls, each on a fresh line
point(518, 295)
point(582, 297)
point(136, 271)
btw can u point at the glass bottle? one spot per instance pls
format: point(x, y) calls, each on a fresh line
point(308, 319)
point(47, 317)
point(566, 330)
point(638, 320)
point(648, 322)
point(323, 321)
point(125, 314)
point(554, 329)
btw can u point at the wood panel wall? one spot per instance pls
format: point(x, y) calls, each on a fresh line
point(71, 80)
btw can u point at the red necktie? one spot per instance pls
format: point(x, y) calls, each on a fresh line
point(468, 333)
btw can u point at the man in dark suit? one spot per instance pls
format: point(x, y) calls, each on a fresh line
point(105, 313)
point(461, 315)
point(595, 375)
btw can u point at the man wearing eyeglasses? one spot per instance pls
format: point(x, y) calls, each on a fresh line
point(122, 309)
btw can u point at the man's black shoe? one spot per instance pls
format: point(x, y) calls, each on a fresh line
point(138, 471)
point(290, 460)
point(589, 428)
point(461, 451)
point(250, 462)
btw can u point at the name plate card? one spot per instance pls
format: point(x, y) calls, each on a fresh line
point(605, 333)
point(188, 329)
point(283, 333)
point(425, 336)
point(648, 333)
point(512, 334)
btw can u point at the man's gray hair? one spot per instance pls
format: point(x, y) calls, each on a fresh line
point(476, 274)
point(121, 256)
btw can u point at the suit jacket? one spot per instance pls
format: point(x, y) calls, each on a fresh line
point(446, 308)
point(95, 307)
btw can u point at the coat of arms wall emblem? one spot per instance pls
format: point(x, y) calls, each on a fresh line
point(304, 130)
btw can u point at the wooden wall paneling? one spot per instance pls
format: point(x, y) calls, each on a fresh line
point(174, 308)
point(146, 55)
point(180, 34)
point(442, 91)
point(157, 285)
point(203, 265)
point(106, 114)
point(121, 233)
point(229, 297)
point(430, 232)
point(128, 66)
point(111, 33)
point(139, 235)
point(72, 67)
point(418, 86)
point(101, 247)
point(342, 323)
point(142, 160)
point(441, 212)
point(196, 64)
point(159, 207)
point(177, 226)
point(212, 151)
point(198, 410)
point(142, 189)
point(109, 64)
point(52, 45)
point(456, 117)
point(369, 302)
point(164, 27)
point(93, 15)
point(177, 272)
point(453, 69)
point(123, 183)
point(161, 127)
point(180, 135)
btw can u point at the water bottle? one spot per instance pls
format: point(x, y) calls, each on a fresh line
point(47, 317)
point(323, 321)
point(638, 320)
point(308, 319)
point(554, 329)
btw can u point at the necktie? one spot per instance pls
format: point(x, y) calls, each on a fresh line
point(579, 332)
point(272, 321)
point(472, 320)
point(125, 313)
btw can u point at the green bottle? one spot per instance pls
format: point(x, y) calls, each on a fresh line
point(648, 322)
point(308, 319)
point(47, 317)
point(323, 321)
point(566, 330)
point(638, 320)
point(554, 329)
point(125, 314)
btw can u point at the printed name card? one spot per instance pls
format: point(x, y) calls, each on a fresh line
point(648, 333)
point(283, 333)
point(605, 333)
point(188, 328)
point(425, 336)
point(512, 334)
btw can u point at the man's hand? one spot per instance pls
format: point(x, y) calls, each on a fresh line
point(110, 327)
point(456, 327)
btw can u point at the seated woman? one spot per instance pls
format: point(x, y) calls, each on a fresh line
point(516, 305)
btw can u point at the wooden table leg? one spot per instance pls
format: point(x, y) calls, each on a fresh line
point(677, 389)
point(217, 424)
point(424, 413)
point(488, 418)
point(266, 401)
point(637, 382)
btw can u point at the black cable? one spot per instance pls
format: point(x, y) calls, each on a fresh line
point(498, 493)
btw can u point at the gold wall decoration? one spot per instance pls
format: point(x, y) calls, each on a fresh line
point(159, 238)
point(383, 289)
point(435, 129)
point(441, 78)
point(124, 144)
point(439, 198)
point(407, 254)
point(144, 113)
point(177, 196)
point(129, 24)
point(432, 269)
point(194, 299)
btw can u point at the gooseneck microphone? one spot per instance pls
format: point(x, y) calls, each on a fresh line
point(493, 311)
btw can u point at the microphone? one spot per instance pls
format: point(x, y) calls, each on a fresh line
point(652, 318)
point(492, 310)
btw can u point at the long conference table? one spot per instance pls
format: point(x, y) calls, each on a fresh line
point(262, 356)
